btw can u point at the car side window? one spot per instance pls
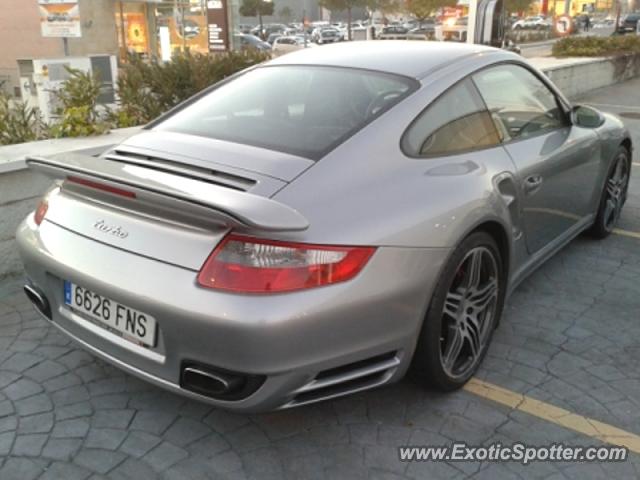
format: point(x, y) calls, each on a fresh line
point(455, 122)
point(521, 104)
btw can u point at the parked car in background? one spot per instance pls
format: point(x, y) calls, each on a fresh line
point(538, 22)
point(288, 44)
point(342, 28)
point(245, 28)
point(426, 32)
point(251, 42)
point(629, 23)
point(393, 32)
point(268, 29)
point(410, 24)
point(323, 35)
point(272, 38)
point(320, 24)
point(427, 22)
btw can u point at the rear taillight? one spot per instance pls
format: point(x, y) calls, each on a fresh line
point(252, 265)
point(101, 186)
point(41, 211)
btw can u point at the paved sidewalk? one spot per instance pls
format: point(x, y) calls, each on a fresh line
point(569, 338)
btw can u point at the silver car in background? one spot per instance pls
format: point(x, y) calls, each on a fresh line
point(322, 223)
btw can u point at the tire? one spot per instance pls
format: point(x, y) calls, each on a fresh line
point(428, 364)
point(614, 193)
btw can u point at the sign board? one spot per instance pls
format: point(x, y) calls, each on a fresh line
point(218, 25)
point(563, 25)
point(60, 18)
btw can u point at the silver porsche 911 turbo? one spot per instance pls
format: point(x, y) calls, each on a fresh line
point(322, 223)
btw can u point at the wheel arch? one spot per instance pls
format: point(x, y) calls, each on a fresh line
point(499, 234)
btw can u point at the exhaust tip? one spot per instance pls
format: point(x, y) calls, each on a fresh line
point(211, 382)
point(38, 299)
point(218, 383)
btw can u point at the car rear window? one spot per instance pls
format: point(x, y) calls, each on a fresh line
point(302, 110)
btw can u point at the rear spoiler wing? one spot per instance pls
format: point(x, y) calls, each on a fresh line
point(232, 207)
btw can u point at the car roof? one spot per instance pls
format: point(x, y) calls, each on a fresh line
point(402, 57)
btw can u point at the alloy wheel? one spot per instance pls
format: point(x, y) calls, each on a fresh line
point(469, 312)
point(616, 192)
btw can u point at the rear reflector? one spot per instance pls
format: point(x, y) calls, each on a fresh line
point(41, 211)
point(102, 186)
point(252, 265)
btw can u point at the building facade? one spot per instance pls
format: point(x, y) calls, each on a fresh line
point(146, 28)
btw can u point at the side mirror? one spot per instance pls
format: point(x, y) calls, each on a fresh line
point(586, 117)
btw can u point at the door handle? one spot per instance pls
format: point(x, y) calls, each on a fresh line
point(532, 184)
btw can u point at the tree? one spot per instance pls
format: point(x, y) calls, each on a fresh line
point(285, 14)
point(341, 5)
point(387, 6)
point(515, 6)
point(257, 8)
point(423, 9)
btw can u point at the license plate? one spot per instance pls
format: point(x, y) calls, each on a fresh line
point(131, 324)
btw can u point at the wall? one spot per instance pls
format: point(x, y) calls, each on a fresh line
point(584, 75)
point(98, 29)
point(20, 35)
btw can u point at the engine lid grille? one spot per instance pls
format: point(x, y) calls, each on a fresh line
point(215, 177)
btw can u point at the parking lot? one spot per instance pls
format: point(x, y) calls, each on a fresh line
point(564, 367)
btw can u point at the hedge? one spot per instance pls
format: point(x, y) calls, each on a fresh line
point(596, 46)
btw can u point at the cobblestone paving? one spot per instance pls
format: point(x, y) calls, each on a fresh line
point(570, 336)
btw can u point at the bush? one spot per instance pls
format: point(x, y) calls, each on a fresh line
point(19, 123)
point(596, 46)
point(146, 90)
point(79, 115)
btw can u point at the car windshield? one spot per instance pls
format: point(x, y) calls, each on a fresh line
point(302, 110)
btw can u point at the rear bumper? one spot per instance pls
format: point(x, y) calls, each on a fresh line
point(288, 338)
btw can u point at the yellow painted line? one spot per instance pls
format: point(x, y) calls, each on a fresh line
point(553, 211)
point(556, 415)
point(626, 233)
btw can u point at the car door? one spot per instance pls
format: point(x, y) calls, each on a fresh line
point(557, 164)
